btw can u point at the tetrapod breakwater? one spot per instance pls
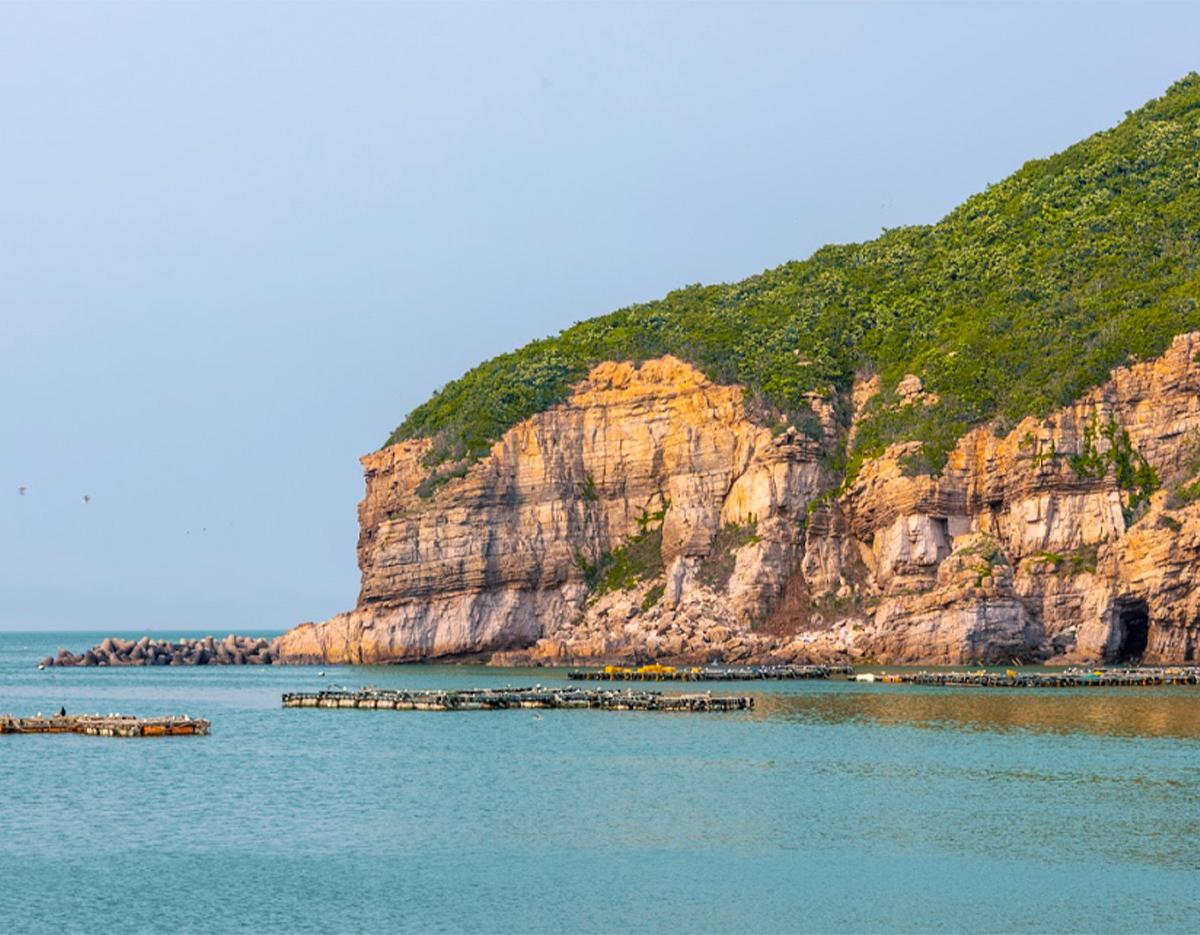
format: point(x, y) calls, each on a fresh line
point(114, 651)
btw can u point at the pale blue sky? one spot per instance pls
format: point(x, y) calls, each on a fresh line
point(239, 242)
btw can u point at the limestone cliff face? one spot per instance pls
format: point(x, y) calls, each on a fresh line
point(649, 516)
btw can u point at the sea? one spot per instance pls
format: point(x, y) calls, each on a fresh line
point(832, 806)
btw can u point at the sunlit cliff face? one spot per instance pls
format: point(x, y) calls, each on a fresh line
point(651, 516)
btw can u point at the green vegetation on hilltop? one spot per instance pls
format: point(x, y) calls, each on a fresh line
point(1014, 304)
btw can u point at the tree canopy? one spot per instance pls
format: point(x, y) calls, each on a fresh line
point(1015, 303)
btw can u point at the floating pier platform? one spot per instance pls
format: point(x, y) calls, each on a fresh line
point(102, 725)
point(660, 673)
point(1067, 678)
point(488, 699)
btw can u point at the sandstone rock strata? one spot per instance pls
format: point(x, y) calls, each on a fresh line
point(650, 516)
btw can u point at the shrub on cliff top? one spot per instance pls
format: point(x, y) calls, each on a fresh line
point(1013, 304)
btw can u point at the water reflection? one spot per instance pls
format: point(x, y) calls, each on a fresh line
point(1118, 712)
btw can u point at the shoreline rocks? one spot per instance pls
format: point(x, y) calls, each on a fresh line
point(232, 650)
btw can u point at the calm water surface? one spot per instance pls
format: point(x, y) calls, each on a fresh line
point(831, 807)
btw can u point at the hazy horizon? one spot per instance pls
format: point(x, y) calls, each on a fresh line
point(241, 242)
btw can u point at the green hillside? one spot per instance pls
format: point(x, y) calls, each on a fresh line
point(1016, 302)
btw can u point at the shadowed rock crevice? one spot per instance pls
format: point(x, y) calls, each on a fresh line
point(1131, 631)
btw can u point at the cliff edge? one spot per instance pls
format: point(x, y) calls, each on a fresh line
point(650, 516)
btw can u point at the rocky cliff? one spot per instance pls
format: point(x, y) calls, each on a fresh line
point(657, 515)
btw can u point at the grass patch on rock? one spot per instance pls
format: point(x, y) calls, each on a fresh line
point(716, 568)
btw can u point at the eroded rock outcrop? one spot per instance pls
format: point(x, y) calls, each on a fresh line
point(498, 559)
point(651, 517)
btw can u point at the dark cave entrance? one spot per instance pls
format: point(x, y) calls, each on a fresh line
point(1133, 626)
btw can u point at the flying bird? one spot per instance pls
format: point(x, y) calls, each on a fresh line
point(87, 498)
point(21, 490)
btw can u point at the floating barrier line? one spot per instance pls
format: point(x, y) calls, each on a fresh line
point(660, 673)
point(1068, 678)
point(497, 699)
point(97, 725)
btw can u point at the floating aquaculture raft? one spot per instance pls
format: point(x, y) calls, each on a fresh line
point(1068, 678)
point(659, 673)
point(495, 699)
point(97, 725)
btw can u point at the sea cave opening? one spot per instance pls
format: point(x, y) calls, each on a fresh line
point(1133, 625)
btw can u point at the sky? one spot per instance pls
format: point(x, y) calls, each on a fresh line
point(238, 243)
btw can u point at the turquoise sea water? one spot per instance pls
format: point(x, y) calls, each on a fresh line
point(831, 807)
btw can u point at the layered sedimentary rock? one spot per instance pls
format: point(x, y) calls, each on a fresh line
point(650, 516)
point(497, 559)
